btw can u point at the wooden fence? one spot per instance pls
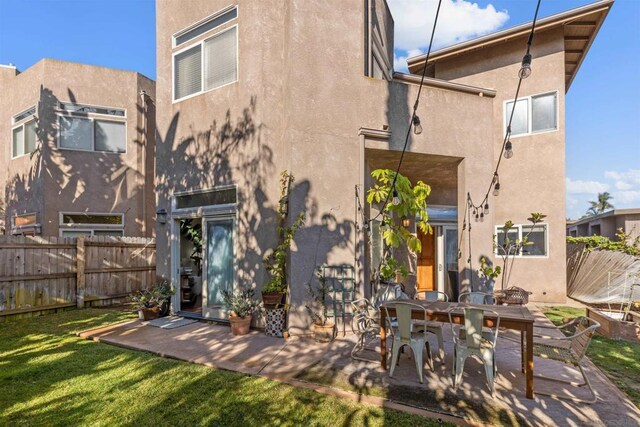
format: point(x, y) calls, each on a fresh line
point(46, 274)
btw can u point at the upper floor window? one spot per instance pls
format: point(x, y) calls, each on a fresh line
point(23, 135)
point(210, 23)
point(91, 224)
point(533, 114)
point(537, 239)
point(84, 127)
point(208, 64)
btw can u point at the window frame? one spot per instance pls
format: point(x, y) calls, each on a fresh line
point(91, 231)
point(62, 226)
point(92, 117)
point(205, 37)
point(203, 21)
point(519, 228)
point(15, 124)
point(61, 111)
point(529, 98)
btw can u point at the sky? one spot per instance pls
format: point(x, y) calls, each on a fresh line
point(602, 106)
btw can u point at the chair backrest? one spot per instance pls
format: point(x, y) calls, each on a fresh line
point(474, 324)
point(585, 328)
point(403, 318)
point(433, 296)
point(389, 292)
point(476, 298)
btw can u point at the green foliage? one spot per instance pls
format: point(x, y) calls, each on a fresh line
point(241, 303)
point(154, 297)
point(276, 262)
point(604, 243)
point(390, 267)
point(318, 308)
point(601, 205)
point(193, 233)
point(488, 271)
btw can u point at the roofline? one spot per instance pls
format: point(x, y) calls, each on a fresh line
point(85, 64)
point(517, 31)
point(444, 84)
point(613, 212)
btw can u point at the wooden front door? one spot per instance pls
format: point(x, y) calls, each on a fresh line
point(426, 266)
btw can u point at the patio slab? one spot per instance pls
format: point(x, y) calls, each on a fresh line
point(327, 367)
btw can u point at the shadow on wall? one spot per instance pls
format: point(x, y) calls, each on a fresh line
point(234, 151)
point(97, 179)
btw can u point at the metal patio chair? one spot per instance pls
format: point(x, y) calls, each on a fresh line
point(434, 327)
point(402, 335)
point(477, 298)
point(473, 341)
point(569, 350)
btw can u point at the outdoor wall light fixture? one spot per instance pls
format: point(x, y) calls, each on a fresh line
point(161, 216)
point(525, 70)
point(508, 150)
point(396, 199)
point(406, 222)
point(417, 127)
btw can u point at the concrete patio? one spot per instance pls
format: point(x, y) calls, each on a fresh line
point(328, 368)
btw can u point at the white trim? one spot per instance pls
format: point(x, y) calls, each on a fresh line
point(92, 231)
point(202, 71)
point(13, 218)
point(203, 21)
point(528, 98)
point(61, 223)
point(35, 113)
point(198, 211)
point(60, 111)
point(23, 125)
point(519, 228)
point(92, 119)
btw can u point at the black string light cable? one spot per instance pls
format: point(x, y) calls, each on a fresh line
point(482, 209)
point(414, 122)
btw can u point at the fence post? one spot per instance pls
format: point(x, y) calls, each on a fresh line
point(80, 278)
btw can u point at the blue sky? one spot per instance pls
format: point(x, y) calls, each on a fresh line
point(602, 109)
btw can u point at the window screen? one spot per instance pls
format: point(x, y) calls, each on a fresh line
point(537, 239)
point(188, 73)
point(209, 198)
point(520, 123)
point(110, 136)
point(80, 109)
point(543, 112)
point(80, 218)
point(221, 59)
point(75, 133)
point(18, 141)
point(502, 246)
point(21, 116)
point(214, 22)
point(30, 137)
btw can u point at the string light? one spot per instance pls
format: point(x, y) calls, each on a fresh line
point(496, 189)
point(525, 69)
point(417, 127)
point(508, 150)
point(396, 199)
point(486, 208)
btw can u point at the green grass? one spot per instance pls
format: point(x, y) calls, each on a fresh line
point(48, 376)
point(617, 359)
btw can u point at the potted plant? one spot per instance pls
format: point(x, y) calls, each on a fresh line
point(163, 293)
point(242, 305)
point(276, 262)
point(323, 328)
point(146, 302)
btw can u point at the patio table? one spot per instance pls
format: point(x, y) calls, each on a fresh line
point(517, 318)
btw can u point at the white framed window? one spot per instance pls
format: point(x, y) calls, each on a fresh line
point(87, 128)
point(537, 237)
point(23, 134)
point(209, 23)
point(76, 224)
point(533, 114)
point(206, 65)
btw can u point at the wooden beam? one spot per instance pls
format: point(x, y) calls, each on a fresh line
point(80, 279)
point(571, 62)
point(39, 308)
point(578, 51)
point(120, 245)
point(35, 246)
point(119, 269)
point(31, 277)
point(576, 38)
point(583, 23)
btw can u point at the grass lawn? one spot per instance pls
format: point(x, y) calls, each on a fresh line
point(48, 376)
point(619, 360)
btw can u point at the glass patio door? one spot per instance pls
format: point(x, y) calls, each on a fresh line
point(218, 265)
point(451, 261)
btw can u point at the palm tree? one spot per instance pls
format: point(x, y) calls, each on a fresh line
point(601, 205)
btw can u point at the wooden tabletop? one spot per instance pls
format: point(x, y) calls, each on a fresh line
point(506, 312)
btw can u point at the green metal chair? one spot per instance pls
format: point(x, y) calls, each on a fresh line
point(569, 350)
point(473, 341)
point(434, 327)
point(402, 335)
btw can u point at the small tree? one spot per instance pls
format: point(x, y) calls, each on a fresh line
point(412, 204)
point(318, 308)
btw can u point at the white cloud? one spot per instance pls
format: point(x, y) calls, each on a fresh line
point(625, 181)
point(627, 197)
point(459, 20)
point(585, 187)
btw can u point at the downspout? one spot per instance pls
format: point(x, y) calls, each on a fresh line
point(143, 98)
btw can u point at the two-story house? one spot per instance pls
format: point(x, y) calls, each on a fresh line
point(78, 158)
point(252, 88)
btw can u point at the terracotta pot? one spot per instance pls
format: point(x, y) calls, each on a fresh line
point(240, 326)
point(148, 313)
point(324, 333)
point(272, 298)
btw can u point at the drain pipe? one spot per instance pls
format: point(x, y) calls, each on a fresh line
point(143, 99)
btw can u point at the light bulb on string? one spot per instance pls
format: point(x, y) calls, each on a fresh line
point(481, 216)
point(486, 208)
point(496, 189)
point(417, 127)
point(396, 199)
point(525, 69)
point(508, 150)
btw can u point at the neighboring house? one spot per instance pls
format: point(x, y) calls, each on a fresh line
point(249, 89)
point(607, 224)
point(78, 157)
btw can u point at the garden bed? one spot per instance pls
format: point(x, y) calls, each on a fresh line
point(617, 325)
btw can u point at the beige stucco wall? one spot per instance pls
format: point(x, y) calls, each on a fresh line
point(52, 180)
point(534, 179)
point(299, 103)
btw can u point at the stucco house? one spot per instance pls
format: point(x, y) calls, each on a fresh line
point(78, 157)
point(607, 224)
point(252, 88)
